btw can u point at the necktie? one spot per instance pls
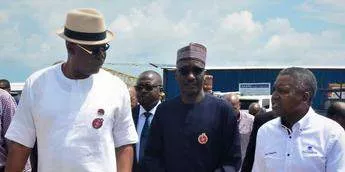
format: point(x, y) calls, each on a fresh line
point(144, 135)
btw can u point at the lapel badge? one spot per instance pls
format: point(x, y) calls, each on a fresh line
point(97, 123)
point(202, 139)
point(100, 112)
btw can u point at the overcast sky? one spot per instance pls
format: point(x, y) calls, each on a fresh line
point(236, 32)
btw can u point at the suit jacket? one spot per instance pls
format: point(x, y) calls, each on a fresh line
point(259, 120)
point(135, 115)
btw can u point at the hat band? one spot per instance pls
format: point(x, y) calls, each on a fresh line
point(85, 36)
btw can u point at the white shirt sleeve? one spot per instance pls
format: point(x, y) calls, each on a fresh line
point(258, 157)
point(336, 156)
point(124, 131)
point(22, 128)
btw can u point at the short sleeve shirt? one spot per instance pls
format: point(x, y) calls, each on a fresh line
point(78, 123)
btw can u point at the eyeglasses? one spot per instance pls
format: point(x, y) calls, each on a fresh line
point(96, 50)
point(146, 87)
point(186, 71)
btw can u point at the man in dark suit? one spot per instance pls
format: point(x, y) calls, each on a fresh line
point(259, 120)
point(195, 131)
point(148, 88)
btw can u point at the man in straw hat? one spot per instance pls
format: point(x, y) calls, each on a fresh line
point(79, 113)
point(194, 131)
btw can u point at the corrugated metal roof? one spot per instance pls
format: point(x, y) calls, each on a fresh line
point(128, 79)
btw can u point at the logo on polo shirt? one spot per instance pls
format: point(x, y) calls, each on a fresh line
point(309, 150)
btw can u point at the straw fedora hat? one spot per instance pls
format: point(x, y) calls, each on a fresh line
point(85, 26)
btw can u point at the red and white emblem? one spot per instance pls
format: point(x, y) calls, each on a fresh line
point(97, 123)
point(100, 112)
point(202, 139)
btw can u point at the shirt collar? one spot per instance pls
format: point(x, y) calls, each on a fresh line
point(153, 110)
point(303, 123)
point(240, 116)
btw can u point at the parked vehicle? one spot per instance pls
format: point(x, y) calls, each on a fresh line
point(16, 90)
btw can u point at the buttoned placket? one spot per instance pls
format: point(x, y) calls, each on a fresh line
point(289, 140)
point(291, 144)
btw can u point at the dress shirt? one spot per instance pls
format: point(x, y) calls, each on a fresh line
point(245, 126)
point(315, 144)
point(140, 125)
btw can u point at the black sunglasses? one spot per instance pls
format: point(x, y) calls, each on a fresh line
point(186, 71)
point(146, 87)
point(95, 50)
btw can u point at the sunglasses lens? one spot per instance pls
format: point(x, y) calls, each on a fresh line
point(96, 51)
point(101, 49)
point(106, 47)
point(184, 71)
point(197, 71)
point(194, 70)
point(146, 87)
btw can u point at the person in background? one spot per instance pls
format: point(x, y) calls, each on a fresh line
point(208, 84)
point(162, 95)
point(260, 119)
point(244, 120)
point(7, 109)
point(299, 139)
point(149, 86)
point(254, 108)
point(336, 111)
point(133, 96)
point(194, 131)
point(79, 113)
point(5, 85)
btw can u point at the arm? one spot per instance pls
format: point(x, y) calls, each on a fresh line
point(17, 157)
point(21, 132)
point(124, 158)
point(153, 159)
point(336, 156)
point(231, 159)
point(124, 133)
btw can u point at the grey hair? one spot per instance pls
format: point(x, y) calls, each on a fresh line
point(305, 79)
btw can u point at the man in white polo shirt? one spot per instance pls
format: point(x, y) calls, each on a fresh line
point(299, 140)
point(79, 113)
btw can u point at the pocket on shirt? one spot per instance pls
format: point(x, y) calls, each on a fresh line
point(316, 160)
point(272, 161)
